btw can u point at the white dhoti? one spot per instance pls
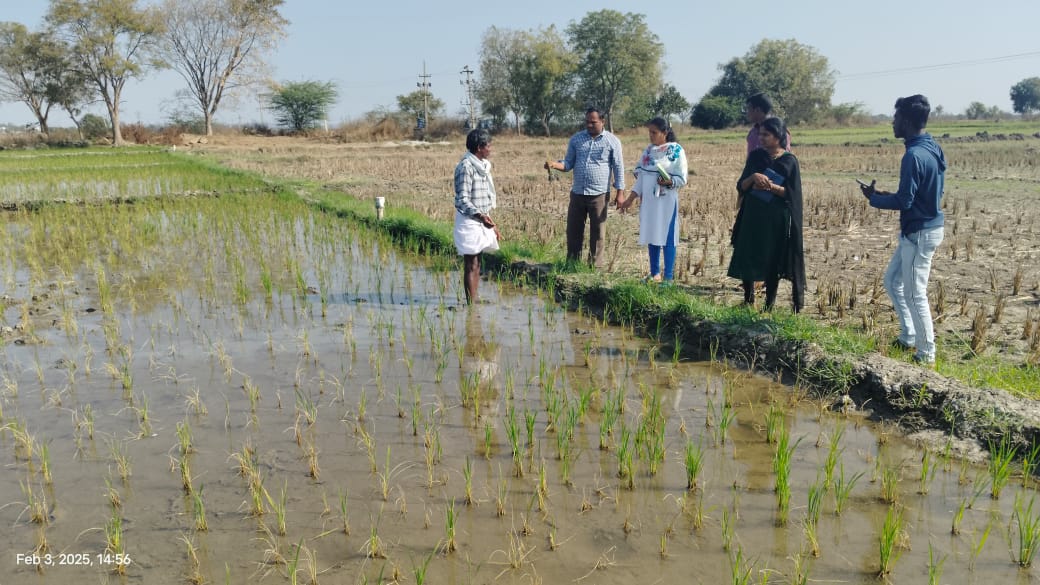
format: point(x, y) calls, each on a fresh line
point(472, 236)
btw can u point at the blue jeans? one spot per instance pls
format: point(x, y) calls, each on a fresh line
point(669, 253)
point(906, 281)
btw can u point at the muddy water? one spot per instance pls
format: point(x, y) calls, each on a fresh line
point(381, 367)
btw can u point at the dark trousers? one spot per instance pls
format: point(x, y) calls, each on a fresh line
point(593, 207)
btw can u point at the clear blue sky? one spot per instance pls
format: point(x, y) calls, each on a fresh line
point(958, 51)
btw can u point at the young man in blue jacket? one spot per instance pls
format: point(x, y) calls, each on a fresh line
point(918, 200)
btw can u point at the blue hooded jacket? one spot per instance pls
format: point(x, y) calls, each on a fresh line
point(921, 180)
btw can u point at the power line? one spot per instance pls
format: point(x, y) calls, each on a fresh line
point(938, 67)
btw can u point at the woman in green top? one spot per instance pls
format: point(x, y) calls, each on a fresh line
point(767, 236)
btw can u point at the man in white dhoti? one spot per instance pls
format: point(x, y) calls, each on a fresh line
point(475, 231)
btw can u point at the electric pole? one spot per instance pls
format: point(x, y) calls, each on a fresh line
point(469, 103)
point(424, 86)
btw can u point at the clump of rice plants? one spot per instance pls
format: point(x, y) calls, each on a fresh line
point(889, 550)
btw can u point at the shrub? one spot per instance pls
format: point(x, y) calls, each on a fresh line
point(716, 112)
point(94, 127)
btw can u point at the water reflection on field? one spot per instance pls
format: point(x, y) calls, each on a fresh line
point(339, 415)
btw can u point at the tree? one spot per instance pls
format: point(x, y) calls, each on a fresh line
point(619, 60)
point(797, 78)
point(110, 39)
point(1025, 95)
point(717, 112)
point(36, 69)
point(497, 91)
point(299, 105)
point(412, 104)
point(544, 69)
point(980, 111)
point(218, 45)
point(669, 102)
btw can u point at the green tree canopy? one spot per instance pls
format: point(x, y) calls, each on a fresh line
point(28, 63)
point(544, 70)
point(980, 111)
point(669, 102)
point(619, 61)
point(497, 90)
point(716, 111)
point(1025, 96)
point(110, 39)
point(217, 45)
point(412, 104)
point(795, 76)
point(300, 105)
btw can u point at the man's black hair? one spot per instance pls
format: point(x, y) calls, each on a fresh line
point(914, 109)
point(594, 109)
point(477, 138)
point(760, 101)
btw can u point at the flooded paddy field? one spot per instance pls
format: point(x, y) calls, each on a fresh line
point(239, 389)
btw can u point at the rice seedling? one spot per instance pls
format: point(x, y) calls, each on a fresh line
point(890, 485)
point(279, 508)
point(373, 547)
point(35, 503)
point(812, 516)
point(343, 513)
point(313, 470)
point(488, 436)
point(292, 567)
point(624, 454)
point(117, 450)
point(741, 568)
point(1025, 523)
point(977, 544)
point(1000, 457)
point(199, 510)
point(958, 516)
point(935, 566)
point(693, 461)
point(195, 577)
point(306, 407)
point(928, 469)
point(467, 474)
point(185, 468)
point(419, 571)
point(834, 451)
point(114, 542)
point(513, 434)
point(842, 489)
point(184, 439)
point(727, 522)
point(802, 568)
point(721, 420)
point(774, 419)
point(449, 546)
point(782, 458)
point(114, 499)
point(542, 488)
point(45, 463)
point(888, 540)
point(1030, 461)
point(530, 417)
point(980, 484)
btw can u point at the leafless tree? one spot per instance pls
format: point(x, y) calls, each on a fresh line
point(218, 45)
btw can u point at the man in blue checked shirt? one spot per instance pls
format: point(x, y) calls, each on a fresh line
point(593, 154)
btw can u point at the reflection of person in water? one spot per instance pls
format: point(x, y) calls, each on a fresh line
point(480, 356)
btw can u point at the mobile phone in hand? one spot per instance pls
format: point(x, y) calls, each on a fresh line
point(861, 183)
